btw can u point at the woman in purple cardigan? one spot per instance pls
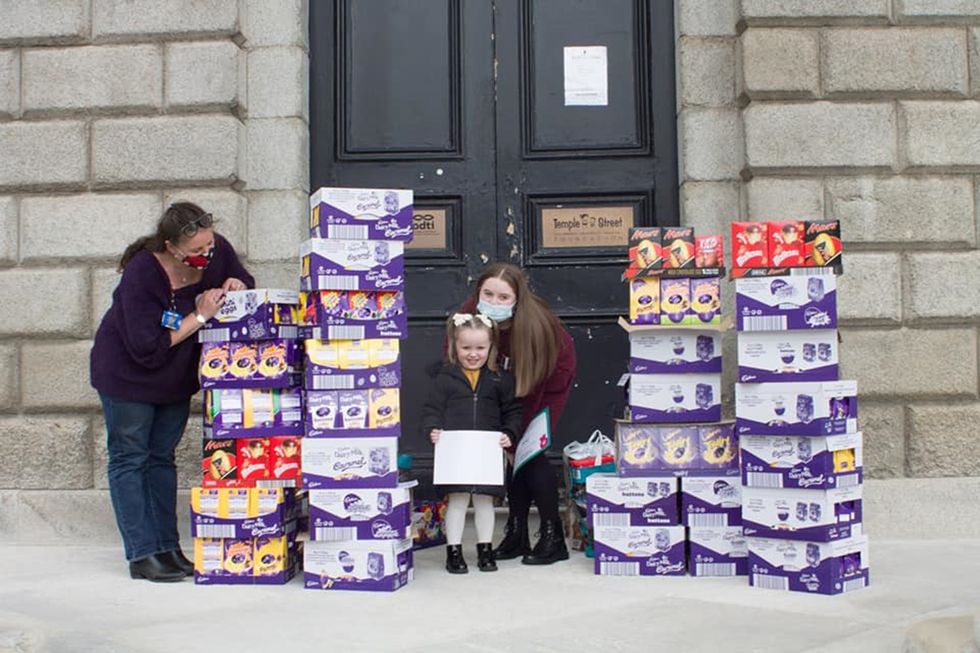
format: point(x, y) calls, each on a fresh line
point(144, 366)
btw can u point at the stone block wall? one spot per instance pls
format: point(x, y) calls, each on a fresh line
point(110, 111)
point(867, 111)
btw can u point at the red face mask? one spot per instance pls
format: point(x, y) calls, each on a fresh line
point(197, 261)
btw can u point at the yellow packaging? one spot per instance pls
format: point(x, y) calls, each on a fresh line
point(353, 354)
point(324, 353)
point(238, 558)
point(383, 407)
point(645, 300)
point(208, 501)
point(271, 555)
point(239, 504)
point(384, 351)
point(208, 555)
point(845, 460)
point(265, 500)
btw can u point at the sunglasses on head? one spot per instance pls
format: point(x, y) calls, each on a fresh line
point(204, 221)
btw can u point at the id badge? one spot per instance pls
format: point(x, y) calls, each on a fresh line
point(171, 320)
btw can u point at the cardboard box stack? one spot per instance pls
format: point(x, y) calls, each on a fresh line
point(801, 452)
point(354, 314)
point(673, 434)
point(244, 517)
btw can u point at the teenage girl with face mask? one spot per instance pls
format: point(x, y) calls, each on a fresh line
point(540, 353)
point(144, 366)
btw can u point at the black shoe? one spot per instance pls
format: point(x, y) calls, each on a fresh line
point(156, 568)
point(454, 559)
point(177, 560)
point(516, 542)
point(550, 547)
point(484, 554)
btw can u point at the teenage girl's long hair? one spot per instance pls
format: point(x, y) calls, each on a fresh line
point(534, 331)
point(174, 219)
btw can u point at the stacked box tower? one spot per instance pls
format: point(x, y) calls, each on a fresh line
point(801, 451)
point(354, 315)
point(672, 440)
point(245, 514)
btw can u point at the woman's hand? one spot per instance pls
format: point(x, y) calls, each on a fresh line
point(434, 435)
point(232, 284)
point(209, 302)
point(504, 441)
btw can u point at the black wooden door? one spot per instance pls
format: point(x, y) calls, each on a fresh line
point(534, 131)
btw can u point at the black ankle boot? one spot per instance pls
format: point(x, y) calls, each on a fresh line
point(454, 559)
point(155, 568)
point(516, 542)
point(178, 560)
point(550, 548)
point(484, 554)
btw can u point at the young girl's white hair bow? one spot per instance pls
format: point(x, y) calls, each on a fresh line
point(459, 319)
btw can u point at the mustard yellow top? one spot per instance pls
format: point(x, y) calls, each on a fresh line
point(472, 376)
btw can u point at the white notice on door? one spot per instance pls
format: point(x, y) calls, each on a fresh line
point(586, 78)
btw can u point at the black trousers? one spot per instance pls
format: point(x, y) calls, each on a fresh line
point(535, 482)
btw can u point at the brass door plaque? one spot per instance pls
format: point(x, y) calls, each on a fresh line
point(429, 229)
point(586, 226)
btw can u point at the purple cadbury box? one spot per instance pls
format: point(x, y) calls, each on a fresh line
point(804, 461)
point(249, 413)
point(781, 356)
point(260, 364)
point(794, 514)
point(717, 551)
point(616, 501)
point(796, 408)
point(812, 567)
point(361, 213)
point(711, 501)
point(352, 265)
point(370, 565)
point(640, 551)
point(368, 514)
point(786, 303)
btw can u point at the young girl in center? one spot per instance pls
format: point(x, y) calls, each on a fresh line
point(471, 393)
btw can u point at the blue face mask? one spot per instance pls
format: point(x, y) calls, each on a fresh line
point(496, 312)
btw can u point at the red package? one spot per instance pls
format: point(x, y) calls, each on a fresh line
point(678, 247)
point(786, 244)
point(285, 456)
point(822, 242)
point(644, 251)
point(750, 247)
point(254, 460)
point(219, 464)
point(709, 251)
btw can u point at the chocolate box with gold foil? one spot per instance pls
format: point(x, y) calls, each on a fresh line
point(259, 314)
point(361, 213)
point(259, 364)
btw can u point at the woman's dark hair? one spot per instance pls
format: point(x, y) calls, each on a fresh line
point(176, 221)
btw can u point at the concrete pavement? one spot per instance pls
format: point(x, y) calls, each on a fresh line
point(74, 599)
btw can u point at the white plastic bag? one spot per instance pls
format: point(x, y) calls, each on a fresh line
point(597, 446)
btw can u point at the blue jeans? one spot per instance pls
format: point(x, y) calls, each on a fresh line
point(142, 439)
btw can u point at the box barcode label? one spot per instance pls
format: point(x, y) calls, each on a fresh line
point(811, 272)
point(619, 568)
point(334, 533)
point(763, 479)
point(336, 282)
point(213, 335)
point(289, 482)
point(214, 530)
point(292, 416)
point(714, 569)
point(855, 584)
point(770, 582)
point(610, 519)
point(848, 480)
point(348, 232)
point(345, 333)
point(714, 520)
point(340, 382)
point(764, 323)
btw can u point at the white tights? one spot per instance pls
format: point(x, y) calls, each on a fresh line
point(456, 517)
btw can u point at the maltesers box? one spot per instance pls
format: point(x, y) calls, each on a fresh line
point(354, 314)
point(644, 252)
point(676, 450)
point(675, 352)
point(350, 463)
point(263, 560)
point(713, 501)
point(639, 551)
point(351, 364)
point(352, 265)
point(795, 514)
point(248, 315)
point(636, 501)
point(353, 413)
point(802, 461)
point(787, 356)
point(678, 247)
point(786, 303)
point(814, 408)
point(644, 301)
point(722, 551)
point(251, 462)
point(675, 397)
point(241, 413)
point(750, 245)
point(371, 565)
point(786, 247)
point(813, 567)
point(242, 513)
point(369, 514)
point(361, 213)
point(258, 364)
point(823, 243)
